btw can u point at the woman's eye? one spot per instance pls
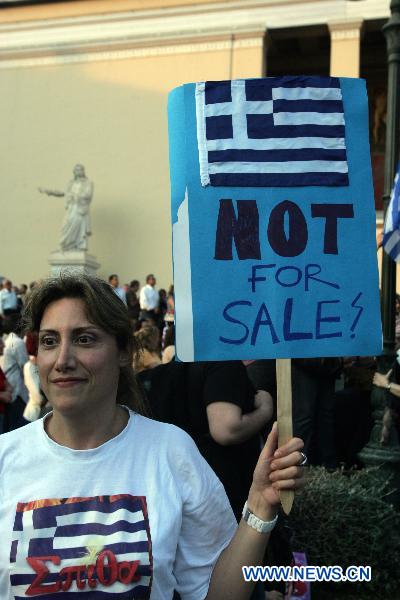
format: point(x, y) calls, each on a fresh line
point(47, 341)
point(85, 339)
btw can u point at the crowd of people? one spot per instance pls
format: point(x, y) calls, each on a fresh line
point(21, 399)
point(331, 407)
point(100, 376)
point(227, 408)
point(330, 395)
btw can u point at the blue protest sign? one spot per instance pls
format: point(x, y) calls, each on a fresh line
point(273, 219)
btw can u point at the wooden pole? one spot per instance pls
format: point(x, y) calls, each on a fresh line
point(284, 417)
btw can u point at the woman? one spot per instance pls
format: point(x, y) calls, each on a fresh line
point(36, 404)
point(148, 340)
point(392, 409)
point(168, 352)
point(95, 497)
point(5, 392)
point(15, 357)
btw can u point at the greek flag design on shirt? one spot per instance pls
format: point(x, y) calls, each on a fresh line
point(391, 232)
point(277, 131)
point(96, 548)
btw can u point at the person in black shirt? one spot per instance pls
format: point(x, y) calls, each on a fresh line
point(132, 302)
point(217, 405)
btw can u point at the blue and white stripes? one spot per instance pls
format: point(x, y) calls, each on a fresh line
point(95, 548)
point(391, 232)
point(277, 131)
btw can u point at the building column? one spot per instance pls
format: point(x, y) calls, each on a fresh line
point(345, 48)
point(248, 55)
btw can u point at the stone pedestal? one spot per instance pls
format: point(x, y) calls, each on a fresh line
point(73, 261)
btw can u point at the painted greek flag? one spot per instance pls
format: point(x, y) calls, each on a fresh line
point(277, 131)
point(391, 231)
point(97, 548)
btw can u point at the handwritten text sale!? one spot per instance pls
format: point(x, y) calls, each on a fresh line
point(287, 234)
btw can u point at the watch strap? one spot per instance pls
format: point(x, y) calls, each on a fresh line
point(256, 523)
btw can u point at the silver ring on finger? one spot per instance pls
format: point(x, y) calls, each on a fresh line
point(303, 460)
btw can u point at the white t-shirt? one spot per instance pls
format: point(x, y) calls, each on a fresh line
point(15, 357)
point(8, 300)
point(149, 298)
point(120, 293)
point(32, 382)
point(137, 517)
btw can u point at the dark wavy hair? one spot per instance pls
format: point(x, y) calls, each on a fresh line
point(104, 309)
point(148, 338)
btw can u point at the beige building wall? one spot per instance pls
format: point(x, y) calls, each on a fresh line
point(248, 59)
point(345, 48)
point(79, 8)
point(87, 81)
point(111, 115)
point(345, 62)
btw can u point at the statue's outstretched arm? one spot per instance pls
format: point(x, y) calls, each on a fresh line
point(51, 192)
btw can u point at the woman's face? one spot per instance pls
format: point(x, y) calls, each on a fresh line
point(78, 362)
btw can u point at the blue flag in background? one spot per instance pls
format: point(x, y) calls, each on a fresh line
point(278, 131)
point(391, 232)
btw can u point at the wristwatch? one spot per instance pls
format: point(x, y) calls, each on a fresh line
point(257, 523)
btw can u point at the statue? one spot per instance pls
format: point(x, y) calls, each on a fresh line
point(76, 225)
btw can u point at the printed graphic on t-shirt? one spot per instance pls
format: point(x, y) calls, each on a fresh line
point(97, 547)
